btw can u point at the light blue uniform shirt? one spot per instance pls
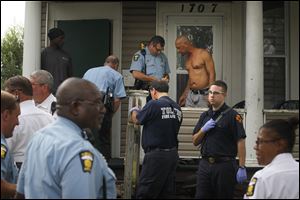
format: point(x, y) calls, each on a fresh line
point(104, 77)
point(59, 163)
point(9, 171)
point(157, 66)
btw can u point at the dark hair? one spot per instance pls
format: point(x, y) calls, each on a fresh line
point(284, 129)
point(221, 84)
point(54, 33)
point(20, 83)
point(160, 86)
point(8, 101)
point(157, 40)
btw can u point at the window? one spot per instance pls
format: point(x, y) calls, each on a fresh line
point(275, 54)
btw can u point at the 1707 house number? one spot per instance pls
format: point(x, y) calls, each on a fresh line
point(192, 7)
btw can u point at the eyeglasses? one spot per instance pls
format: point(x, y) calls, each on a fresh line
point(98, 103)
point(215, 92)
point(158, 49)
point(259, 141)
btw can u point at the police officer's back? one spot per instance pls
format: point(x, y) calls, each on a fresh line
point(60, 162)
point(110, 83)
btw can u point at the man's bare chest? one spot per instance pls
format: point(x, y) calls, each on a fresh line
point(194, 64)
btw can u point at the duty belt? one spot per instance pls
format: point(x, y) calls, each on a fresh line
point(213, 160)
point(202, 92)
point(160, 149)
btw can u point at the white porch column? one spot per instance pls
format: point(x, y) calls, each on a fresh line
point(254, 74)
point(32, 37)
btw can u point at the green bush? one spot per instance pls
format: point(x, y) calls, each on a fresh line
point(11, 53)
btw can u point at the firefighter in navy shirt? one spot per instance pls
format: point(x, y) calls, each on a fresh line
point(161, 118)
point(221, 135)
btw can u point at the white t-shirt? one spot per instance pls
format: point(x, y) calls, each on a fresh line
point(277, 180)
point(31, 119)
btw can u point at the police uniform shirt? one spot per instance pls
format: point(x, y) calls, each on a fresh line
point(161, 119)
point(221, 140)
point(156, 66)
point(61, 164)
point(104, 77)
point(9, 170)
point(277, 180)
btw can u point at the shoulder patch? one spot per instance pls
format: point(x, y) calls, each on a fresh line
point(136, 57)
point(3, 151)
point(251, 187)
point(238, 118)
point(87, 159)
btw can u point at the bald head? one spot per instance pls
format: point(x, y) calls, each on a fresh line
point(112, 61)
point(183, 39)
point(80, 101)
point(74, 89)
point(183, 45)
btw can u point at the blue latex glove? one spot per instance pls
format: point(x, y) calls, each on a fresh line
point(208, 125)
point(136, 108)
point(241, 175)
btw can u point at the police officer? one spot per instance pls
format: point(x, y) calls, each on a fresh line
point(152, 60)
point(109, 81)
point(279, 179)
point(221, 135)
point(60, 162)
point(10, 110)
point(162, 119)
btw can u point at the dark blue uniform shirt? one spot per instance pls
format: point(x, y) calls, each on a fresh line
point(221, 140)
point(161, 119)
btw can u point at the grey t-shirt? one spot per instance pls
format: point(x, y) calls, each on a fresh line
point(58, 63)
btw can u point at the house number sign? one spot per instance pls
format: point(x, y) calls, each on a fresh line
point(193, 7)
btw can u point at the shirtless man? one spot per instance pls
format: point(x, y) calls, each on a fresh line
point(201, 70)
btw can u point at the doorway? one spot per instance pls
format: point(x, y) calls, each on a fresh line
point(88, 42)
point(205, 32)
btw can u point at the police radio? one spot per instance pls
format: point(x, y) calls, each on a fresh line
point(139, 84)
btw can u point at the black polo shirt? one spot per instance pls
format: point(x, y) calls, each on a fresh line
point(221, 140)
point(161, 119)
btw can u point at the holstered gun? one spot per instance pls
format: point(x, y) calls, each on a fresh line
point(108, 100)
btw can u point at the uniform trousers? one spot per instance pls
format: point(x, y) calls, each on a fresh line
point(157, 178)
point(103, 138)
point(216, 180)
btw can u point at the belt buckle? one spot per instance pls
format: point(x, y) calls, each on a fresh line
point(211, 160)
point(204, 92)
point(195, 91)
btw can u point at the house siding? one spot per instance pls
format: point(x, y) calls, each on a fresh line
point(138, 24)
